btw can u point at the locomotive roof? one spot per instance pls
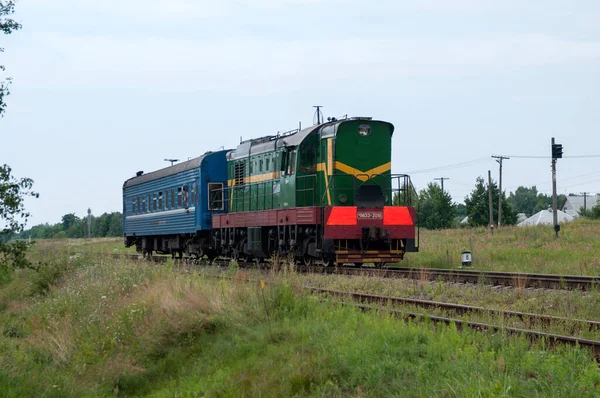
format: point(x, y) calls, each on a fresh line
point(271, 143)
point(168, 171)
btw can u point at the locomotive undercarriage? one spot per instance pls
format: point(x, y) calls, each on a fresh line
point(259, 243)
point(305, 244)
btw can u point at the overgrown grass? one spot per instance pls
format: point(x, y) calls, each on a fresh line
point(104, 327)
point(514, 249)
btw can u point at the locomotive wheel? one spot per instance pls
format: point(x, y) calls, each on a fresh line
point(210, 256)
point(239, 256)
point(308, 260)
point(327, 262)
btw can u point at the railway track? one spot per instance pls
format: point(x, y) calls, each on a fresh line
point(463, 309)
point(549, 338)
point(358, 300)
point(364, 302)
point(512, 279)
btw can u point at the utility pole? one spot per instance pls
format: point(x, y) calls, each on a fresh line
point(490, 200)
point(557, 153)
point(584, 200)
point(442, 180)
point(499, 159)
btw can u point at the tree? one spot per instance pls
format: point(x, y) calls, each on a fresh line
point(13, 216)
point(100, 226)
point(68, 220)
point(7, 26)
point(529, 201)
point(593, 213)
point(115, 226)
point(478, 205)
point(461, 210)
point(437, 209)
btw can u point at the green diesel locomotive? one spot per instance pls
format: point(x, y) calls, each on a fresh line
point(324, 193)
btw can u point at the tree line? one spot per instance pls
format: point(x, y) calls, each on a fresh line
point(438, 211)
point(71, 226)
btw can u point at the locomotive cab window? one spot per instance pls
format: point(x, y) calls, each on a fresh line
point(291, 163)
point(215, 196)
point(284, 161)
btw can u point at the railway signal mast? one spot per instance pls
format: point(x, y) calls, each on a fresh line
point(557, 153)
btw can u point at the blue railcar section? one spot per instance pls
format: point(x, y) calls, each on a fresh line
point(173, 201)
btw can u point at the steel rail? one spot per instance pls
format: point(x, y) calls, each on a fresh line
point(461, 309)
point(525, 280)
point(460, 324)
point(494, 278)
point(550, 338)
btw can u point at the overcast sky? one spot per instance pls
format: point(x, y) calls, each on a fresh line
point(103, 89)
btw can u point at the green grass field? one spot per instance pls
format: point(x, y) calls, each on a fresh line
point(515, 249)
point(96, 326)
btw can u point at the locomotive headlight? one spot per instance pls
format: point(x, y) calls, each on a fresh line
point(343, 198)
point(364, 130)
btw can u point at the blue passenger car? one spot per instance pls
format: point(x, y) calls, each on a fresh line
point(169, 210)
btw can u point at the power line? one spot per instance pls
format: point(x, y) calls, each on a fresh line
point(439, 168)
point(550, 157)
point(513, 187)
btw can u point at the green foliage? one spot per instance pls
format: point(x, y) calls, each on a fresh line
point(71, 226)
point(593, 213)
point(437, 210)
point(94, 326)
point(478, 205)
point(406, 197)
point(529, 201)
point(461, 210)
point(7, 26)
point(13, 192)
